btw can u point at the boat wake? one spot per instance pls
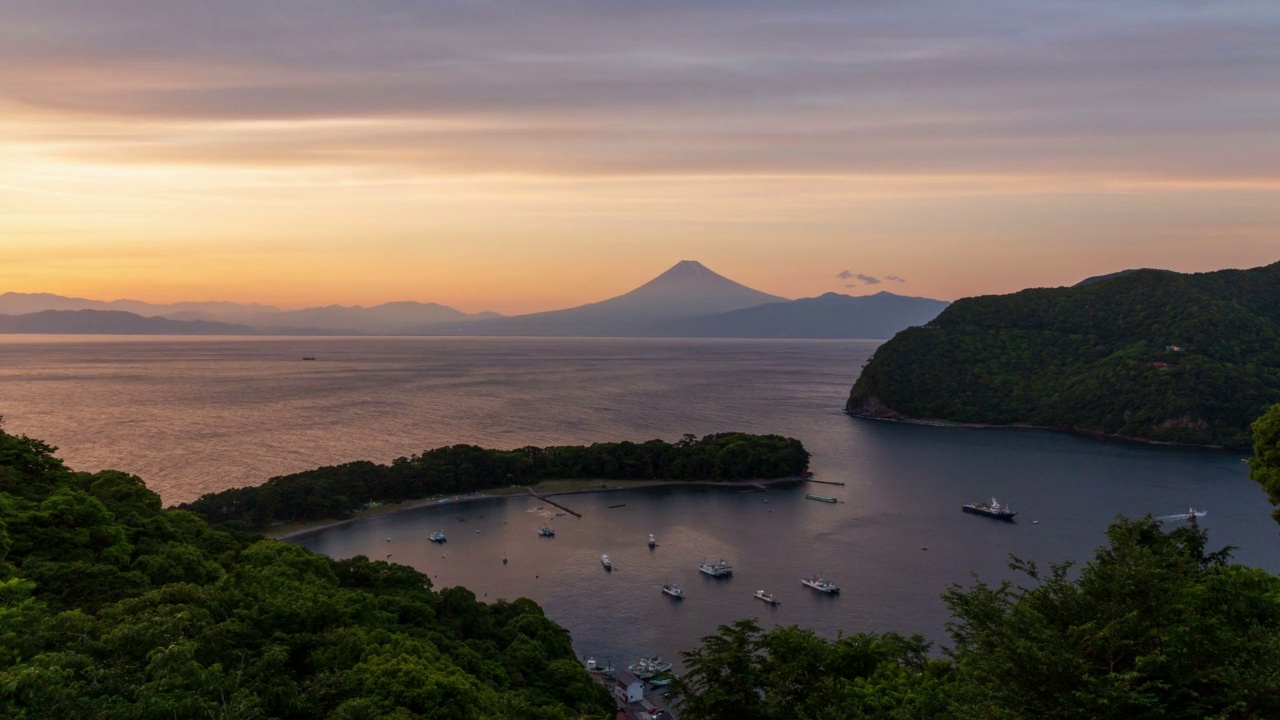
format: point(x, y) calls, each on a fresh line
point(1190, 513)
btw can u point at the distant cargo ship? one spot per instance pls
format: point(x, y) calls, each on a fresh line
point(992, 509)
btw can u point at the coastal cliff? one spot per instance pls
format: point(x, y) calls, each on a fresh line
point(1147, 355)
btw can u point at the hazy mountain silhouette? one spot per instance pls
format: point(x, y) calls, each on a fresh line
point(879, 316)
point(688, 300)
point(389, 318)
point(688, 289)
point(12, 303)
point(113, 322)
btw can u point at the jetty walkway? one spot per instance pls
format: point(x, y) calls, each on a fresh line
point(549, 501)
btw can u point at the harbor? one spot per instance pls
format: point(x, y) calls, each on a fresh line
point(635, 698)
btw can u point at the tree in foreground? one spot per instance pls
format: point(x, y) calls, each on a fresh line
point(1153, 627)
point(1265, 465)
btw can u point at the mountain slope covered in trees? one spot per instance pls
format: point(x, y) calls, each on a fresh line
point(1148, 355)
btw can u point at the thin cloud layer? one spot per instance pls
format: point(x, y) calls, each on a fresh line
point(717, 87)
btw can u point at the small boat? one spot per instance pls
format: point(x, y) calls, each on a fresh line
point(437, 537)
point(821, 585)
point(308, 357)
point(652, 543)
point(992, 509)
point(545, 531)
point(662, 679)
point(820, 498)
point(560, 514)
point(645, 668)
point(1190, 514)
point(762, 595)
point(673, 590)
point(504, 558)
point(719, 568)
point(604, 668)
point(606, 562)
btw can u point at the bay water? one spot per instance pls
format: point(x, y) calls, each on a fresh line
point(194, 415)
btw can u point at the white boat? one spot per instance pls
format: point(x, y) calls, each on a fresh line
point(821, 584)
point(545, 531)
point(604, 668)
point(719, 568)
point(652, 543)
point(673, 590)
point(1190, 514)
point(645, 668)
point(762, 595)
point(504, 558)
point(437, 537)
point(606, 562)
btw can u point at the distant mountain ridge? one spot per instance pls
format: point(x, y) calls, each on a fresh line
point(687, 289)
point(687, 300)
point(112, 322)
point(1149, 354)
point(388, 318)
point(832, 315)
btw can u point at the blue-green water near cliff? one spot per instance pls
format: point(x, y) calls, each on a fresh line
point(193, 415)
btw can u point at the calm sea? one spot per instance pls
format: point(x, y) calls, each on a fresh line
point(195, 415)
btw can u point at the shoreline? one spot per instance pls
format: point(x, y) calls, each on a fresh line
point(1065, 431)
point(289, 532)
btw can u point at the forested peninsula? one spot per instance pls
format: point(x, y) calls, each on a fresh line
point(112, 607)
point(338, 491)
point(1147, 355)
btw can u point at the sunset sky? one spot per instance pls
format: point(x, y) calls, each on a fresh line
point(534, 155)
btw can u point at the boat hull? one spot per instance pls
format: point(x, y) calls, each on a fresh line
point(1002, 515)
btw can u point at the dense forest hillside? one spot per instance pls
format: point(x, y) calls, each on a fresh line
point(1149, 355)
point(338, 491)
point(111, 607)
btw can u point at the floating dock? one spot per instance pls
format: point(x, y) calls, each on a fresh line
point(820, 498)
point(825, 482)
point(549, 501)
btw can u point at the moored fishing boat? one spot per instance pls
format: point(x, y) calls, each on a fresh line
point(767, 597)
point(821, 584)
point(645, 668)
point(673, 590)
point(545, 531)
point(992, 509)
point(606, 562)
point(437, 537)
point(719, 568)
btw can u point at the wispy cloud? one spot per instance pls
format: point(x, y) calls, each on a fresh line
point(895, 278)
point(752, 87)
